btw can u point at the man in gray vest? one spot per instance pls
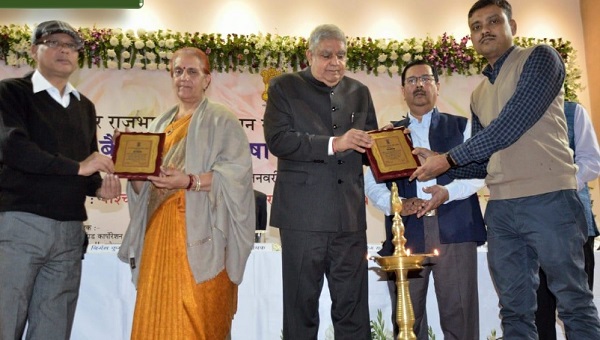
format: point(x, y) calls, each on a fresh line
point(519, 144)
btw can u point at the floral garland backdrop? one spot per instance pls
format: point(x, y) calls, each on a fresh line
point(151, 50)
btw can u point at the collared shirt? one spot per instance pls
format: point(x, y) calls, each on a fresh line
point(540, 82)
point(379, 194)
point(587, 154)
point(42, 84)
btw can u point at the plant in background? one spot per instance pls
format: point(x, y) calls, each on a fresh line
point(568, 54)
point(378, 331)
point(431, 333)
point(492, 336)
point(152, 50)
point(15, 44)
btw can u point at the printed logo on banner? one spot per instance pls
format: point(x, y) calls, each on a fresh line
point(267, 75)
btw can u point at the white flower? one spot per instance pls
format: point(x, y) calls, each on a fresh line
point(382, 44)
point(139, 44)
point(169, 55)
point(162, 54)
point(162, 66)
point(151, 66)
point(129, 32)
point(150, 44)
point(393, 56)
point(170, 43)
point(419, 57)
point(138, 64)
point(406, 57)
point(394, 46)
point(150, 55)
point(382, 57)
point(381, 68)
point(472, 69)
point(126, 42)
point(246, 51)
point(114, 41)
point(161, 43)
point(126, 66)
point(12, 59)
point(394, 69)
point(125, 55)
point(419, 48)
point(405, 46)
point(21, 47)
point(111, 53)
point(117, 31)
point(111, 64)
point(164, 34)
point(141, 32)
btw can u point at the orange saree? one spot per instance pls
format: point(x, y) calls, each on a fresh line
point(170, 304)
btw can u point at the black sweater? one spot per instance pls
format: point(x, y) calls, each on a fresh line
point(41, 145)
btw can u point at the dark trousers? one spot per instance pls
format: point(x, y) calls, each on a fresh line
point(545, 316)
point(548, 231)
point(308, 257)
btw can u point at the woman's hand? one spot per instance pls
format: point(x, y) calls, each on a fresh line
point(170, 178)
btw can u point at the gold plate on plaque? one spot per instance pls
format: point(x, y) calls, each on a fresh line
point(138, 155)
point(391, 155)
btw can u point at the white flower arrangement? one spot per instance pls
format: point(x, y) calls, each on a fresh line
point(152, 50)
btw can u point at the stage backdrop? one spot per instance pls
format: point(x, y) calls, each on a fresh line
point(132, 98)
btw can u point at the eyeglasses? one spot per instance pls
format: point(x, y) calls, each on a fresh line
point(56, 44)
point(425, 80)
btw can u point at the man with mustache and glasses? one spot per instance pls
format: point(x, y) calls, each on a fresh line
point(519, 143)
point(49, 163)
point(441, 213)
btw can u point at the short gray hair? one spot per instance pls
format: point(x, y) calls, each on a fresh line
point(324, 32)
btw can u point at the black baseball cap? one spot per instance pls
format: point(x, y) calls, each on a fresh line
point(47, 28)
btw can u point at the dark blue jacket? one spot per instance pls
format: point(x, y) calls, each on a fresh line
point(460, 220)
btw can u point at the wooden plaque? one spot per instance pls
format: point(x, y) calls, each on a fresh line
point(138, 155)
point(391, 155)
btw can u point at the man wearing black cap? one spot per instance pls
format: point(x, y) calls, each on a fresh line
point(49, 163)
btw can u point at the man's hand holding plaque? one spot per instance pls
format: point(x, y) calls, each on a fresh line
point(138, 155)
point(391, 155)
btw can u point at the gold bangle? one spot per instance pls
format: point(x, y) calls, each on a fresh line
point(198, 183)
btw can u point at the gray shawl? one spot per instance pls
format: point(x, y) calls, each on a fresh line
point(220, 223)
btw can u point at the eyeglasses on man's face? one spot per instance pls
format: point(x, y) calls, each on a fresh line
point(59, 44)
point(424, 79)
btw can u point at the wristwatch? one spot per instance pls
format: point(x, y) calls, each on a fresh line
point(450, 160)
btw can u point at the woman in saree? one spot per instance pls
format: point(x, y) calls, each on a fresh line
point(192, 227)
